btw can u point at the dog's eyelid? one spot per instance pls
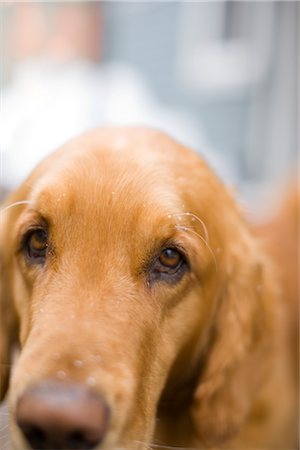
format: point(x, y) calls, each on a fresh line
point(25, 229)
point(31, 220)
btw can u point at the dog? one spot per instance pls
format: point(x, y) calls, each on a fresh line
point(145, 311)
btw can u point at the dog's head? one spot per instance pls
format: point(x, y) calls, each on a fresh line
point(130, 283)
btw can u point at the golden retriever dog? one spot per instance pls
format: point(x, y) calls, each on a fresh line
point(146, 314)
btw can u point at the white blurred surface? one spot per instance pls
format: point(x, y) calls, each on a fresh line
point(47, 104)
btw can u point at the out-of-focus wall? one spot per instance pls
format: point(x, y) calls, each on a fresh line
point(235, 65)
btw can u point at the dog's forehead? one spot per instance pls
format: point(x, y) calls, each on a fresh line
point(111, 177)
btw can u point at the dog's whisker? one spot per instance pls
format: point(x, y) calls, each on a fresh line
point(21, 202)
point(190, 230)
point(195, 217)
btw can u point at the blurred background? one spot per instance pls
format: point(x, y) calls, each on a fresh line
point(222, 77)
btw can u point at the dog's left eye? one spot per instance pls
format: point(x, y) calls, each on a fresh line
point(36, 245)
point(170, 259)
point(169, 266)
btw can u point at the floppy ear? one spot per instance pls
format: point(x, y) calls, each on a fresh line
point(8, 317)
point(237, 355)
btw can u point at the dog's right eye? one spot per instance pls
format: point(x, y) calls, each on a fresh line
point(36, 245)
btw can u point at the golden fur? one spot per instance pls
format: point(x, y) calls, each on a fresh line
point(202, 362)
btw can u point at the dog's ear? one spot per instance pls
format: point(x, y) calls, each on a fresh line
point(8, 316)
point(240, 345)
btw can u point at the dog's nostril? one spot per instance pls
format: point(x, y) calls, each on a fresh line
point(79, 440)
point(35, 436)
point(57, 415)
point(39, 440)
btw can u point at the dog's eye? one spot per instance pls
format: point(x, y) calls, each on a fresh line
point(170, 259)
point(35, 246)
point(169, 266)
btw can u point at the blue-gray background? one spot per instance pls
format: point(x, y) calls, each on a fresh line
point(256, 126)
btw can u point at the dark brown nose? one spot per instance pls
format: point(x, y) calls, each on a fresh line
point(58, 415)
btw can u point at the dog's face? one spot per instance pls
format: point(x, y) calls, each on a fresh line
point(114, 269)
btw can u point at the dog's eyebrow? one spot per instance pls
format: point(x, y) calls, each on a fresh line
point(197, 218)
point(21, 202)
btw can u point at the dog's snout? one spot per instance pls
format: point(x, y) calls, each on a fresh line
point(58, 415)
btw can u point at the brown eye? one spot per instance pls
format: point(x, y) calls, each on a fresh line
point(36, 244)
point(169, 266)
point(170, 258)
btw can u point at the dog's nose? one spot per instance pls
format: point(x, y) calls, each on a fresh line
point(58, 415)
